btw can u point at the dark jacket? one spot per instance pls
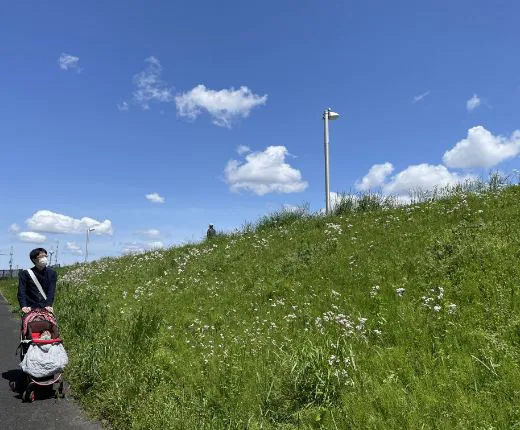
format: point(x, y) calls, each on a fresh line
point(28, 294)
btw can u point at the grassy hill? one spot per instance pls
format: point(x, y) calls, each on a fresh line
point(395, 318)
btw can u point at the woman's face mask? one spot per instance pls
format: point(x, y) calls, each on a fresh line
point(42, 261)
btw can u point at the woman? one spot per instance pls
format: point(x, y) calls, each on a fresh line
point(31, 295)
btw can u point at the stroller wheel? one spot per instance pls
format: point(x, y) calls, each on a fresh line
point(62, 390)
point(12, 385)
point(29, 396)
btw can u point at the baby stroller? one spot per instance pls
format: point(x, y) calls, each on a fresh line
point(42, 356)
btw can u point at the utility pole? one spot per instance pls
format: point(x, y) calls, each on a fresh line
point(56, 256)
point(50, 260)
point(11, 262)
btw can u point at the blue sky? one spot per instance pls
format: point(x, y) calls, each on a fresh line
point(105, 103)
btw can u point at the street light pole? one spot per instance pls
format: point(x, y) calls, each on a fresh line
point(86, 243)
point(327, 115)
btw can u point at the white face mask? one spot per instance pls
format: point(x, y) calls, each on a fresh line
point(42, 261)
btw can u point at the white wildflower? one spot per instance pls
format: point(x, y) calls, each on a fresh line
point(374, 291)
point(333, 360)
point(427, 301)
point(361, 324)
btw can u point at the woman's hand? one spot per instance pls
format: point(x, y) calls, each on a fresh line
point(26, 309)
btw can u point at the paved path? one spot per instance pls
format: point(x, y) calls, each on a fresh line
point(45, 414)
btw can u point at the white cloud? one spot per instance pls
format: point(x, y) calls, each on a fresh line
point(155, 245)
point(419, 97)
point(69, 62)
point(14, 228)
point(151, 233)
point(133, 248)
point(223, 105)
point(123, 106)
point(243, 149)
point(290, 208)
point(31, 237)
point(375, 177)
point(422, 177)
point(473, 103)
point(150, 86)
point(482, 149)
point(335, 199)
point(74, 248)
point(140, 247)
point(479, 149)
point(51, 222)
point(265, 172)
point(155, 198)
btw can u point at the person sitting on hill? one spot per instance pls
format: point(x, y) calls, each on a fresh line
point(31, 295)
point(211, 232)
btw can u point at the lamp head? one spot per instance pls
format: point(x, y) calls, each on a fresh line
point(332, 115)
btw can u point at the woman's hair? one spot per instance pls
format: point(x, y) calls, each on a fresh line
point(35, 252)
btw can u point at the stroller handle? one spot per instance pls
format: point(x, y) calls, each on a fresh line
point(36, 310)
point(46, 341)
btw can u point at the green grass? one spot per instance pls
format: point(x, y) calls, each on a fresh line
point(297, 322)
